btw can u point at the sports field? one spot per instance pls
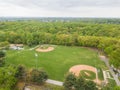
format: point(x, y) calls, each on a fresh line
point(57, 62)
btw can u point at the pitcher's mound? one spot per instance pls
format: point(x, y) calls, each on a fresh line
point(45, 49)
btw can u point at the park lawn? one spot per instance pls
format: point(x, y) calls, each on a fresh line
point(88, 74)
point(56, 63)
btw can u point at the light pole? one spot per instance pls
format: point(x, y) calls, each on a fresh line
point(96, 68)
point(36, 55)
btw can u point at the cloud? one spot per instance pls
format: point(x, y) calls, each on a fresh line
point(65, 3)
point(57, 4)
point(60, 8)
point(92, 3)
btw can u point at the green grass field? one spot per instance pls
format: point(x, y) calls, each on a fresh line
point(57, 62)
point(88, 74)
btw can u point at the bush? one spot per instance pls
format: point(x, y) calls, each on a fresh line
point(90, 85)
point(69, 81)
point(4, 44)
point(2, 58)
point(2, 54)
point(7, 77)
point(78, 83)
point(2, 61)
point(21, 72)
point(38, 76)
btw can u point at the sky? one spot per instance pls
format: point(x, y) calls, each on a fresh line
point(60, 8)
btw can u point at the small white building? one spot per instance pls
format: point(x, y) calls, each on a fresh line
point(16, 46)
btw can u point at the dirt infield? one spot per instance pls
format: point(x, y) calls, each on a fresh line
point(77, 68)
point(45, 50)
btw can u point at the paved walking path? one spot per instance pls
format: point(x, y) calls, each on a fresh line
point(106, 60)
point(26, 88)
point(34, 47)
point(54, 82)
point(59, 83)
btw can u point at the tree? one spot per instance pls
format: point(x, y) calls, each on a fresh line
point(80, 83)
point(38, 76)
point(2, 58)
point(2, 54)
point(115, 57)
point(21, 72)
point(4, 44)
point(90, 85)
point(7, 77)
point(69, 81)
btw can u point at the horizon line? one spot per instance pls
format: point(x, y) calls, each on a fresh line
point(51, 17)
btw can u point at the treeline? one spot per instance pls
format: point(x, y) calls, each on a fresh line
point(63, 19)
point(102, 36)
point(82, 29)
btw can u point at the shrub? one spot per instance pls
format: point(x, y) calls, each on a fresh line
point(2, 61)
point(2, 54)
point(21, 72)
point(38, 76)
point(2, 58)
point(90, 85)
point(69, 81)
point(7, 77)
point(78, 83)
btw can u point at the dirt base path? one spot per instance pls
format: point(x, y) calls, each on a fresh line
point(77, 68)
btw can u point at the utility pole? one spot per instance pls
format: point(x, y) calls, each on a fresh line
point(36, 55)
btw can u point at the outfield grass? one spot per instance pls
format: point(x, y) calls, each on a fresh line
point(100, 73)
point(91, 75)
point(56, 62)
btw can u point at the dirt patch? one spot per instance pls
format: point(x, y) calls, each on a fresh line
point(77, 68)
point(45, 50)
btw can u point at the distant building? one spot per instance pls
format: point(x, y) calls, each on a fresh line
point(16, 46)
